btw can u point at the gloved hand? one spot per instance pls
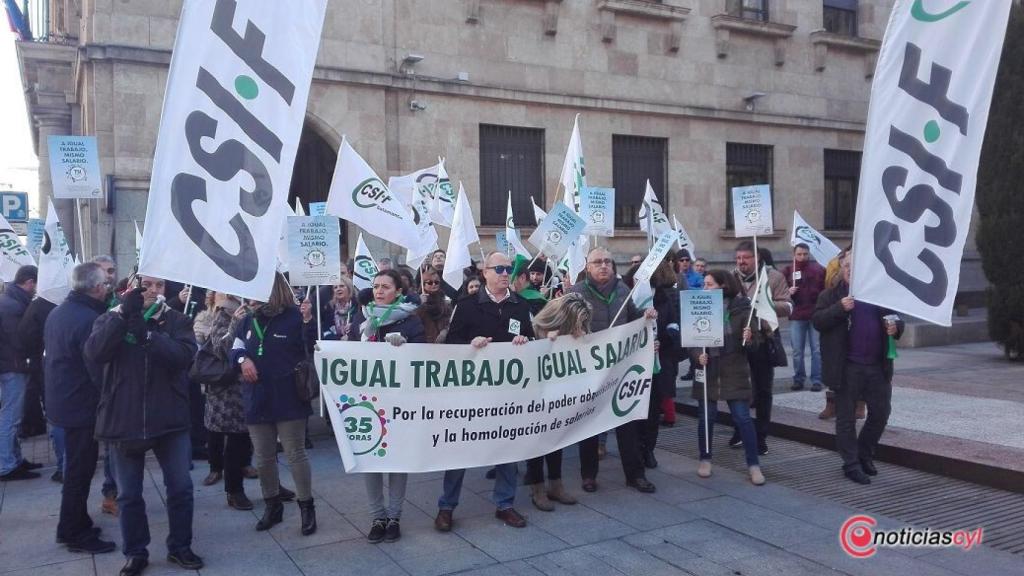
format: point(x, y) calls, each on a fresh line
point(131, 304)
point(395, 339)
point(137, 329)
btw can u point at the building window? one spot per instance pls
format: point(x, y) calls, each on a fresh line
point(635, 159)
point(511, 159)
point(746, 165)
point(749, 9)
point(842, 176)
point(840, 17)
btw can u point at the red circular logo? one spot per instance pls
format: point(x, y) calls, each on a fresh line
point(856, 536)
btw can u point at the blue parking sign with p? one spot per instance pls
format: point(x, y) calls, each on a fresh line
point(14, 206)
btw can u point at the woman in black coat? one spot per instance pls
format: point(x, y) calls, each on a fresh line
point(666, 303)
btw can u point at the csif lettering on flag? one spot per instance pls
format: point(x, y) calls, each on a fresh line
point(13, 255)
point(926, 123)
point(233, 111)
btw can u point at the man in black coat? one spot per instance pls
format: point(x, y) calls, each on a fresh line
point(857, 351)
point(14, 373)
point(72, 394)
point(145, 349)
point(494, 314)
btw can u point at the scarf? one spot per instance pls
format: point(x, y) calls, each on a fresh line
point(379, 316)
point(342, 318)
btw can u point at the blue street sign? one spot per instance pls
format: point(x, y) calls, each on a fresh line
point(14, 206)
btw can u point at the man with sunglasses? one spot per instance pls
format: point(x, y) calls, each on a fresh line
point(495, 314)
point(606, 294)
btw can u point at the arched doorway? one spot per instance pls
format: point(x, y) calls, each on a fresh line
point(314, 168)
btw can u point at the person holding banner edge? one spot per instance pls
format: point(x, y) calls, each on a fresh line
point(607, 296)
point(495, 314)
point(727, 374)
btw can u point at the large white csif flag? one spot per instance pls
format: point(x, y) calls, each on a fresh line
point(821, 248)
point(573, 179)
point(538, 213)
point(444, 208)
point(360, 196)
point(463, 234)
point(684, 242)
point(926, 123)
point(138, 245)
point(55, 261)
point(511, 234)
point(762, 304)
point(652, 216)
point(364, 267)
point(13, 254)
point(233, 111)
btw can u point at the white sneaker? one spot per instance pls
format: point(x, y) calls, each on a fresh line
point(704, 469)
point(756, 477)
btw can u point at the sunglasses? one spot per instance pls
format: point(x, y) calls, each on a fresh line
point(501, 269)
point(431, 282)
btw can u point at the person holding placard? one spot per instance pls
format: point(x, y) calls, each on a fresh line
point(806, 279)
point(727, 374)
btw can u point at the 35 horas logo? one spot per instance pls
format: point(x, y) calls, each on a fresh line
point(370, 193)
point(364, 424)
point(630, 391)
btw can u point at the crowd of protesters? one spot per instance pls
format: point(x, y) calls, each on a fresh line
point(125, 369)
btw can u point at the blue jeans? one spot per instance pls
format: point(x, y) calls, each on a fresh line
point(504, 494)
point(174, 453)
point(12, 395)
point(801, 331)
point(109, 489)
point(57, 435)
point(740, 410)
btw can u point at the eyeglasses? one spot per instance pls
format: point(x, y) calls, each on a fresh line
point(602, 262)
point(431, 282)
point(634, 262)
point(501, 269)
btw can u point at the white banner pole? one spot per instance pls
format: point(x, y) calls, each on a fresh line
point(707, 425)
point(81, 232)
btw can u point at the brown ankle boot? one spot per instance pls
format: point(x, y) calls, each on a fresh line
point(540, 498)
point(830, 409)
point(556, 492)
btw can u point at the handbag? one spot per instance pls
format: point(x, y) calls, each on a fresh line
point(210, 366)
point(778, 352)
point(307, 382)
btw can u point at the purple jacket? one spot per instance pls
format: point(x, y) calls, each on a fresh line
point(810, 284)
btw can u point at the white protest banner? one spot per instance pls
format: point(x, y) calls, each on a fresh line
point(652, 216)
point(233, 111)
point(702, 318)
point(684, 242)
point(34, 236)
point(511, 234)
point(501, 244)
point(928, 111)
point(411, 408)
point(655, 257)
point(820, 247)
point(597, 208)
point(13, 254)
point(55, 261)
point(282, 242)
point(138, 245)
point(559, 229)
point(444, 208)
point(752, 210)
point(314, 250)
point(574, 174)
point(74, 167)
point(463, 234)
point(364, 267)
point(359, 196)
point(643, 295)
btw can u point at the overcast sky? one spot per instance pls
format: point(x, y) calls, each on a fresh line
point(18, 162)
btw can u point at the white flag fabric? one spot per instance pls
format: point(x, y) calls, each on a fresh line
point(299, 211)
point(511, 234)
point(821, 247)
point(444, 207)
point(643, 295)
point(684, 242)
point(652, 215)
point(573, 179)
point(138, 246)
point(422, 181)
point(282, 244)
point(926, 122)
point(233, 112)
point(421, 207)
point(13, 254)
point(538, 213)
point(364, 267)
point(55, 261)
point(463, 234)
point(360, 196)
point(763, 301)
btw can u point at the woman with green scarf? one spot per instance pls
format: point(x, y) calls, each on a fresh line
point(390, 318)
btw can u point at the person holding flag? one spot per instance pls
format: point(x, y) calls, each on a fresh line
point(806, 280)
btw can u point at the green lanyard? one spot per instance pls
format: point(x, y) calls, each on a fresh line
point(606, 299)
point(259, 334)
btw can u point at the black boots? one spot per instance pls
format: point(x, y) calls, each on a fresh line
point(272, 514)
point(308, 512)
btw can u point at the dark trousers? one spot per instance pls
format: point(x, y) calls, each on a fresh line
point(867, 383)
point(629, 439)
point(197, 407)
point(535, 468)
point(234, 452)
point(216, 444)
point(173, 452)
point(81, 453)
point(762, 378)
point(33, 422)
point(588, 457)
point(649, 428)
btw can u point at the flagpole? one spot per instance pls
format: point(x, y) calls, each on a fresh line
point(319, 334)
point(624, 303)
point(81, 233)
point(188, 298)
point(707, 425)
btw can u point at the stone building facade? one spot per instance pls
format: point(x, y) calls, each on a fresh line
point(716, 88)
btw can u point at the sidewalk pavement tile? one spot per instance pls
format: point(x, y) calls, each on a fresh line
point(514, 568)
point(779, 562)
point(761, 523)
point(578, 524)
point(80, 566)
point(574, 561)
point(505, 543)
point(429, 562)
point(630, 560)
point(640, 511)
point(351, 558)
point(885, 561)
point(975, 561)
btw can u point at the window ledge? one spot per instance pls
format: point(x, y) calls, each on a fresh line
point(673, 15)
point(726, 24)
point(824, 41)
point(726, 234)
point(838, 234)
point(549, 20)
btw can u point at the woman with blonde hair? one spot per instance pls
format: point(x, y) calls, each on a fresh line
point(269, 343)
point(566, 315)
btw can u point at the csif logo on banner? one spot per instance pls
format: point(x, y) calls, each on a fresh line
point(370, 192)
point(807, 234)
point(921, 198)
point(630, 390)
point(365, 268)
point(231, 157)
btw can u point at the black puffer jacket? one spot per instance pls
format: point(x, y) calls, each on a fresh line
point(144, 393)
point(13, 303)
point(72, 385)
point(480, 316)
